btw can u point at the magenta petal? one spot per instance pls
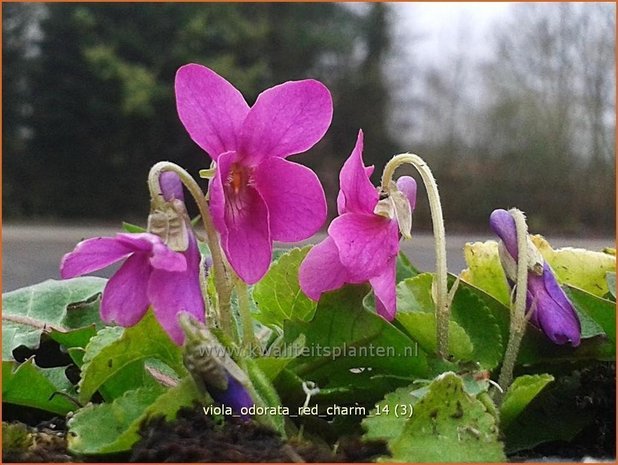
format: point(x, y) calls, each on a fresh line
point(321, 270)
point(211, 109)
point(407, 186)
point(91, 255)
point(385, 291)
point(286, 119)
point(173, 292)
point(366, 243)
point(164, 258)
point(138, 242)
point(358, 194)
point(217, 193)
point(295, 199)
point(247, 242)
point(125, 300)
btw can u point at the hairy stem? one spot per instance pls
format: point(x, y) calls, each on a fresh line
point(221, 276)
point(437, 219)
point(518, 309)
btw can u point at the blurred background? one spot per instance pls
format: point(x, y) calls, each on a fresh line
point(510, 104)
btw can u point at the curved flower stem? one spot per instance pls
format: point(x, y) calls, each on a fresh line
point(437, 219)
point(221, 276)
point(518, 309)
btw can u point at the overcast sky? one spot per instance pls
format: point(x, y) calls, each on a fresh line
point(440, 27)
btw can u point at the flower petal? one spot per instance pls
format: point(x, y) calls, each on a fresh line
point(211, 109)
point(172, 292)
point(246, 236)
point(286, 119)
point(235, 396)
point(171, 186)
point(385, 291)
point(138, 242)
point(366, 243)
point(163, 258)
point(93, 254)
point(554, 313)
point(294, 196)
point(124, 298)
point(503, 224)
point(321, 270)
point(217, 193)
point(358, 194)
point(407, 186)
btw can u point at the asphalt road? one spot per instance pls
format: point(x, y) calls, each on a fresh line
point(31, 254)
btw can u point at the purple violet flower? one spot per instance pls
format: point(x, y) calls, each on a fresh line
point(553, 312)
point(152, 273)
point(257, 196)
point(361, 245)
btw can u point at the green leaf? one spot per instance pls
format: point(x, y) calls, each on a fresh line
point(113, 427)
point(144, 340)
point(580, 268)
point(414, 294)
point(422, 328)
point(551, 416)
point(485, 270)
point(448, 425)
point(405, 268)
point(344, 335)
point(520, 394)
point(132, 228)
point(384, 422)
point(611, 283)
point(468, 311)
point(601, 311)
point(58, 308)
point(536, 348)
point(31, 386)
point(278, 294)
point(478, 321)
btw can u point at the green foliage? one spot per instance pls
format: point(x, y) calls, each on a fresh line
point(422, 328)
point(113, 426)
point(485, 271)
point(384, 422)
point(31, 386)
point(579, 268)
point(520, 394)
point(278, 294)
point(442, 423)
point(611, 283)
point(414, 294)
point(109, 355)
point(351, 337)
point(66, 310)
point(550, 416)
point(601, 311)
point(473, 318)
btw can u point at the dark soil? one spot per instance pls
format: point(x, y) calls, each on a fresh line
point(47, 443)
point(195, 437)
point(596, 395)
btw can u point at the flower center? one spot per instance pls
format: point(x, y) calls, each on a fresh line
point(239, 178)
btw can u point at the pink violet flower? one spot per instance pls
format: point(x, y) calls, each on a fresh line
point(553, 313)
point(151, 275)
point(257, 196)
point(361, 246)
